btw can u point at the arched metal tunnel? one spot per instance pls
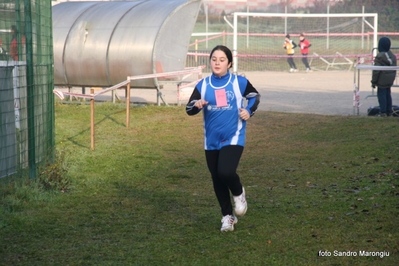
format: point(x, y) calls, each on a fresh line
point(99, 44)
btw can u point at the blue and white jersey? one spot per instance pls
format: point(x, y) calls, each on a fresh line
point(225, 96)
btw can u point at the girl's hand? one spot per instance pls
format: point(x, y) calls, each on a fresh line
point(244, 114)
point(200, 103)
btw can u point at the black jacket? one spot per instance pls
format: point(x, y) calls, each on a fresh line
point(384, 78)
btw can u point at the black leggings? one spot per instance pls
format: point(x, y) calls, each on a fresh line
point(305, 60)
point(222, 165)
point(290, 61)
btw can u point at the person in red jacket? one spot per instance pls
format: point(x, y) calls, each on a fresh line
point(14, 43)
point(304, 45)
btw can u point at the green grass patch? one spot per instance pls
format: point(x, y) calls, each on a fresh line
point(144, 195)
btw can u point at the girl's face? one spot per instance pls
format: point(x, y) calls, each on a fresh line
point(219, 63)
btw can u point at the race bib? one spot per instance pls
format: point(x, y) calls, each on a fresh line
point(221, 98)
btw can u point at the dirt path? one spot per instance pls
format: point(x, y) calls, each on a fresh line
point(321, 92)
point(318, 92)
point(329, 93)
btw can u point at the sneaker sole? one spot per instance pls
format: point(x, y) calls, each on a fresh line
point(241, 213)
point(227, 229)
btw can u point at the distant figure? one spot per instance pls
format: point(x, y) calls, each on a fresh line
point(14, 43)
point(304, 44)
point(384, 79)
point(289, 45)
point(3, 53)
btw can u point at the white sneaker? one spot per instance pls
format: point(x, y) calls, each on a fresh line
point(240, 204)
point(291, 70)
point(228, 223)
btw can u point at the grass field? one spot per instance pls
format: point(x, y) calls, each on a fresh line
point(315, 184)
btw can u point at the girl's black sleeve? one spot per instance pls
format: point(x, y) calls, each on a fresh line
point(190, 108)
point(253, 97)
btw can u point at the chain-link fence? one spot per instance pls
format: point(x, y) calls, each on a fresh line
point(26, 84)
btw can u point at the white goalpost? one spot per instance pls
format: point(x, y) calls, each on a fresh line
point(257, 37)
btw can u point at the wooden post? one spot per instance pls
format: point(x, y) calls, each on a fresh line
point(128, 105)
point(196, 50)
point(69, 90)
point(200, 72)
point(92, 120)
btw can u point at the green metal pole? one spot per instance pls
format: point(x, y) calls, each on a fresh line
point(18, 24)
point(30, 90)
point(51, 107)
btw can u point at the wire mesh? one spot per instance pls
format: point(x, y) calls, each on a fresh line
point(26, 84)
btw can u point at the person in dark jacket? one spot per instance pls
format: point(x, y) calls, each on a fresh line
point(384, 79)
